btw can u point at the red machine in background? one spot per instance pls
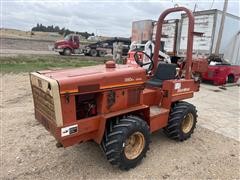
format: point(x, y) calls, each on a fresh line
point(69, 45)
point(221, 72)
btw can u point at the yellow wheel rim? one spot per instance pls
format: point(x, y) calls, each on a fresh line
point(134, 145)
point(187, 123)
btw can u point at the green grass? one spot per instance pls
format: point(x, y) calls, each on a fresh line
point(30, 63)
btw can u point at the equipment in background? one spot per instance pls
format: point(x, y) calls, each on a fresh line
point(148, 48)
point(105, 47)
point(206, 27)
point(117, 52)
point(220, 71)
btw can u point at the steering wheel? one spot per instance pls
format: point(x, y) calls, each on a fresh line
point(141, 64)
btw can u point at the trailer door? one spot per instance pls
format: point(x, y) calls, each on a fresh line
point(201, 45)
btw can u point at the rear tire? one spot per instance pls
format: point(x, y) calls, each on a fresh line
point(101, 53)
point(230, 79)
point(93, 52)
point(126, 142)
point(182, 121)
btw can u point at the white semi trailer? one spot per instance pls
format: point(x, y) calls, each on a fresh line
point(206, 22)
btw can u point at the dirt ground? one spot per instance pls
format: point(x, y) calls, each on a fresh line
point(17, 46)
point(29, 152)
point(15, 52)
point(24, 35)
point(25, 44)
point(219, 109)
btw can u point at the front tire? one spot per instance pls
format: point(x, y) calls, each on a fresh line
point(93, 52)
point(182, 121)
point(67, 52)
point(126, 142)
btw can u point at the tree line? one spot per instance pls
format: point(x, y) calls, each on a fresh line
point(59, 30)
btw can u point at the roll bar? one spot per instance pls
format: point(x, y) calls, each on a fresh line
point(189, 42)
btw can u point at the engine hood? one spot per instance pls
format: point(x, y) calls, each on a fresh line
point(94, 78)
point(60, 42)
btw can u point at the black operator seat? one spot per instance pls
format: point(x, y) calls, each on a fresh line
point(163, 72)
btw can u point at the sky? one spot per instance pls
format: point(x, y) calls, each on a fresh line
point(102, 17)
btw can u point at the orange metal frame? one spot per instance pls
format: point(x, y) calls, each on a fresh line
point(190, 37)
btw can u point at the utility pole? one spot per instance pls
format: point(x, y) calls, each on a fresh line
point(195, 7)
point(221, 27)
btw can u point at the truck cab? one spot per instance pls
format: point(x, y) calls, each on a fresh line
point(69, 45)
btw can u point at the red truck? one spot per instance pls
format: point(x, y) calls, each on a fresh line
point(70, 45)
point(221, 73)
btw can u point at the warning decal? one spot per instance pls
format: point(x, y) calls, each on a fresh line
point(69, 130)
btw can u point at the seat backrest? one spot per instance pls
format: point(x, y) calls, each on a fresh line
point(165, 71)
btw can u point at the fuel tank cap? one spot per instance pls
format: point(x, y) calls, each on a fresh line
point(110, 64)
